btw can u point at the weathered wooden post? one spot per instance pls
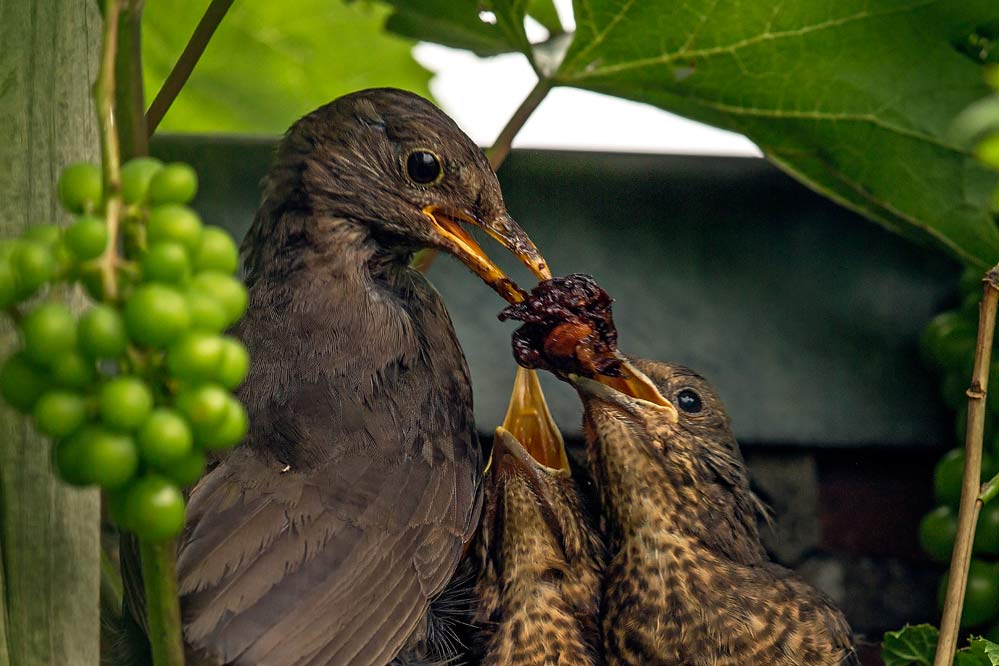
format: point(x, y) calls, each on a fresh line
point(49, 532)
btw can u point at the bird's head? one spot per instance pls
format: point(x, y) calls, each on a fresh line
point(402, 172)
point(534, 527)
point(669, 455)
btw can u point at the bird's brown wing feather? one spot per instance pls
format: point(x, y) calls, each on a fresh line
point(333, 566)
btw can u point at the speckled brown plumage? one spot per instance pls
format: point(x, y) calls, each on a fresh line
point(539, 584)
point(688, 582)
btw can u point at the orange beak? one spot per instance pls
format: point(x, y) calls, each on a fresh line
point(456, 240)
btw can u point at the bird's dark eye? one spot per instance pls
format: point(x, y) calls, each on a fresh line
point(423, 167)
point(689, 401)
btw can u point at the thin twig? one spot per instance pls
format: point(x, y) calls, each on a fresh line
point(971, 504)
point(990, 490)
point(497, 154)
point(104, 91)
point(185, 64)
point(159, 577)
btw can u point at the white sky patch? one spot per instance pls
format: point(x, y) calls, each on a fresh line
point(482, 93)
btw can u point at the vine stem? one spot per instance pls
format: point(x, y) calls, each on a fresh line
point(990, 490)
point(159, 574)
point(181, 71)
point(501, 148)
point(104, 92)
point(971, 502)
point(497, 154)
point(159, 577)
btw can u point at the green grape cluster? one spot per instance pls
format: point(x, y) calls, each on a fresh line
point(948, 346)
point(136, 389)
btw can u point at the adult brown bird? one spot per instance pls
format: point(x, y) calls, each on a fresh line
point(688, 582)
point(325, 536)
point(540, 561)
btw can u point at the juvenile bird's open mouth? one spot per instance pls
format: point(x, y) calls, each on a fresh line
point(530, 423)
point(456, 240)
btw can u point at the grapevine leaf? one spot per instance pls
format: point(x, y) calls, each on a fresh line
point(913, 645)
point(853, 98)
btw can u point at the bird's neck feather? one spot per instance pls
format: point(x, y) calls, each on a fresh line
point(649, 503)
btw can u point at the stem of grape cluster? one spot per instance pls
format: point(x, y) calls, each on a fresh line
point(971, 501)
point(104, 97)
point(159, 577)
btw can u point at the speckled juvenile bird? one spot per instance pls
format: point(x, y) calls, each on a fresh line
point(688, 582)
point(324, 537)
point(538, 587)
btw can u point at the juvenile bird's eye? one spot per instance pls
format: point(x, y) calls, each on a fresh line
point(423, 167)
point(689, 401)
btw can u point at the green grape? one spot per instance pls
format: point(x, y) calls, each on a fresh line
point(234, 365)
point(196, 356)
point(981, 600)
point(187, 471)
point(953, 389)
point(165, 439)
point(961, 422)
point(949, 471)
point(155, 508)
point(229, 431)
point(156, 315)
point(971, 282)
point(87, 237)
point(206, 313)
point(102, 332)
point(177, 223)
point(8, 284)
point(67, 457)
point(48, 331)
point(176, 183)
point(107, 458)
point(136, 174)
point(226, 290)
point(125, 403)
point(21, 383)
point(987, 151)
point(166, 262)
point(204, 405)
point(59, 413)
point(937, 532)
point(987, 530)
point(64, 261)
point(34, 265)
point(948, 341)
point(8, 246)
point(81, 188)
point(72, 370)
point(217, 252)
point(46, 234)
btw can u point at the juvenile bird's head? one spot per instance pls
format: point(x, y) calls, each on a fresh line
point(540, 560)
point(672, 464)
point(397, 168)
